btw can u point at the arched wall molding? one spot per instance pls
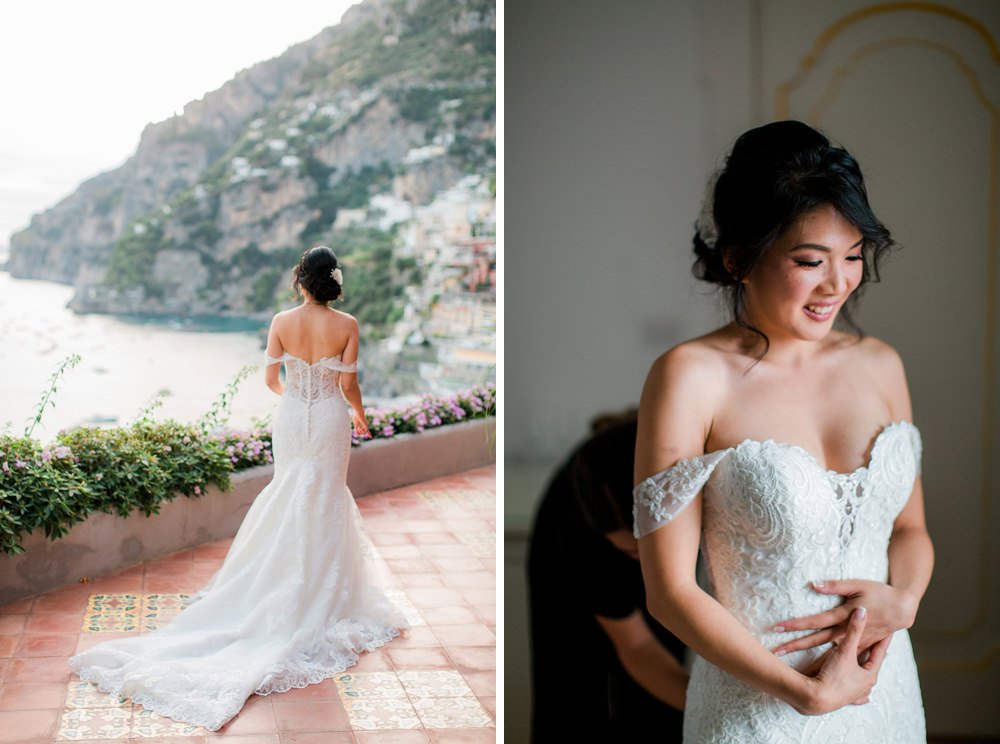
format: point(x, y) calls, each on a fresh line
point(809, 68)
point(841, 26)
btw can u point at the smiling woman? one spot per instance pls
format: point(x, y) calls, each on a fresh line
point(754, 204)
point(806, 277)
point(784, 448)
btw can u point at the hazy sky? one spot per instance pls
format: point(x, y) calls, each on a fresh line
point(80, 79)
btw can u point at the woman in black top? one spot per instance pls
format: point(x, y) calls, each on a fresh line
point(602, 669)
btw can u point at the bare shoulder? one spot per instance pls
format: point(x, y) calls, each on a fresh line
point(278, 321)
point(883, 368)
point(682, 394)
point(880, 358)
point(694, 365)
point(346, 318)
point(281, 316)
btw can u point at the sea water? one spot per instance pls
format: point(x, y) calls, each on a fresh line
point(125, 361)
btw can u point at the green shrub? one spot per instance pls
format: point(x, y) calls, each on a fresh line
point(39, 488)
point(141, 466)
point(146, 463)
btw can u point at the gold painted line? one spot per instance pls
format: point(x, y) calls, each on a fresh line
point(784, 90)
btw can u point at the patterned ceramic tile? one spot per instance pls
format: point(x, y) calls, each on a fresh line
point(113, 613)
point(369, 714)
point(369, 685)
point(159, 609)
point(147, 724)
point(459, 498)
point(399, 598)
point(79, 724)
point(451, 712)
point(86, 695)
point(110, 613)
point(482, 544)
point(434, 683)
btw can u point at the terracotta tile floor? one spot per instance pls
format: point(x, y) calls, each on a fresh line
point(436, 684)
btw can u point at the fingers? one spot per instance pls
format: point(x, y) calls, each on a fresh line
point(809, 641)
point(855, 628)
point(877, 654)
point(844, 587)
point(812, 622)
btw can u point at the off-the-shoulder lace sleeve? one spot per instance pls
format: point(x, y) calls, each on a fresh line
point(269, 360)
point(339, 366)
point(664, 495)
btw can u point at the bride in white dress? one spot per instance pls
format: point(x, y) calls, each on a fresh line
point(296, 599)
point(785, 450)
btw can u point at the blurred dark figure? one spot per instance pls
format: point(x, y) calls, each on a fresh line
point(602, 669)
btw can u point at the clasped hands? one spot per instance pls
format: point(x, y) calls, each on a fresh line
point(863, 636)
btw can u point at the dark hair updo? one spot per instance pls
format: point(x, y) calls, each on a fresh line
point(312, 274)
point(774, 175)
point(601, 473)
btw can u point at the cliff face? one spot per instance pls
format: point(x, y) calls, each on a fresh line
point(218, 202)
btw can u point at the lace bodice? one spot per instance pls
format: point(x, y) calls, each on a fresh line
point(773, 521)
point(311, 382)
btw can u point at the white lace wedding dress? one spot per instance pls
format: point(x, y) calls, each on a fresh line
point(774, 521)
point(296, 599)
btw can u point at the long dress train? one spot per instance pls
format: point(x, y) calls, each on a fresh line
point(296, 599)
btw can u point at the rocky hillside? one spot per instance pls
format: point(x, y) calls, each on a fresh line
point(396, 102)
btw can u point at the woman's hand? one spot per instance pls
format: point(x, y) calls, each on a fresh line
point(888, 610)
point(842, 677)
point(361, 425)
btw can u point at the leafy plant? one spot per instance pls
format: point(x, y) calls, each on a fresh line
point(218, 414)
point(39, 488)
point(430, 412)
point(141, 466)
point(48, 398)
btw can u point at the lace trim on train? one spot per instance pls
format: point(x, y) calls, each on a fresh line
point(211, 702)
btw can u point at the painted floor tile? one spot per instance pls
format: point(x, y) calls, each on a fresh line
point(147, 724)
point(112, 613)
point(80, 724)
point(369, 714)
point(451, 712)
point(369, 685)
point(115, 613)
point(159, 609)
point(434, 683)
point(86, 695)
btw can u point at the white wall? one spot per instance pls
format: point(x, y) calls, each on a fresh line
point(604, 159)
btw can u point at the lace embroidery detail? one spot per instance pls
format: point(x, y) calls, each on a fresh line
point(661, 497)
point(774, 520)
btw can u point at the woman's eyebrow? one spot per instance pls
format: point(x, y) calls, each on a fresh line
point(818, 247)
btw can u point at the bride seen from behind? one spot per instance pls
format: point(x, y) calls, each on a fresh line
point(785, 449)
point(296, 599)
point(314, 329)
